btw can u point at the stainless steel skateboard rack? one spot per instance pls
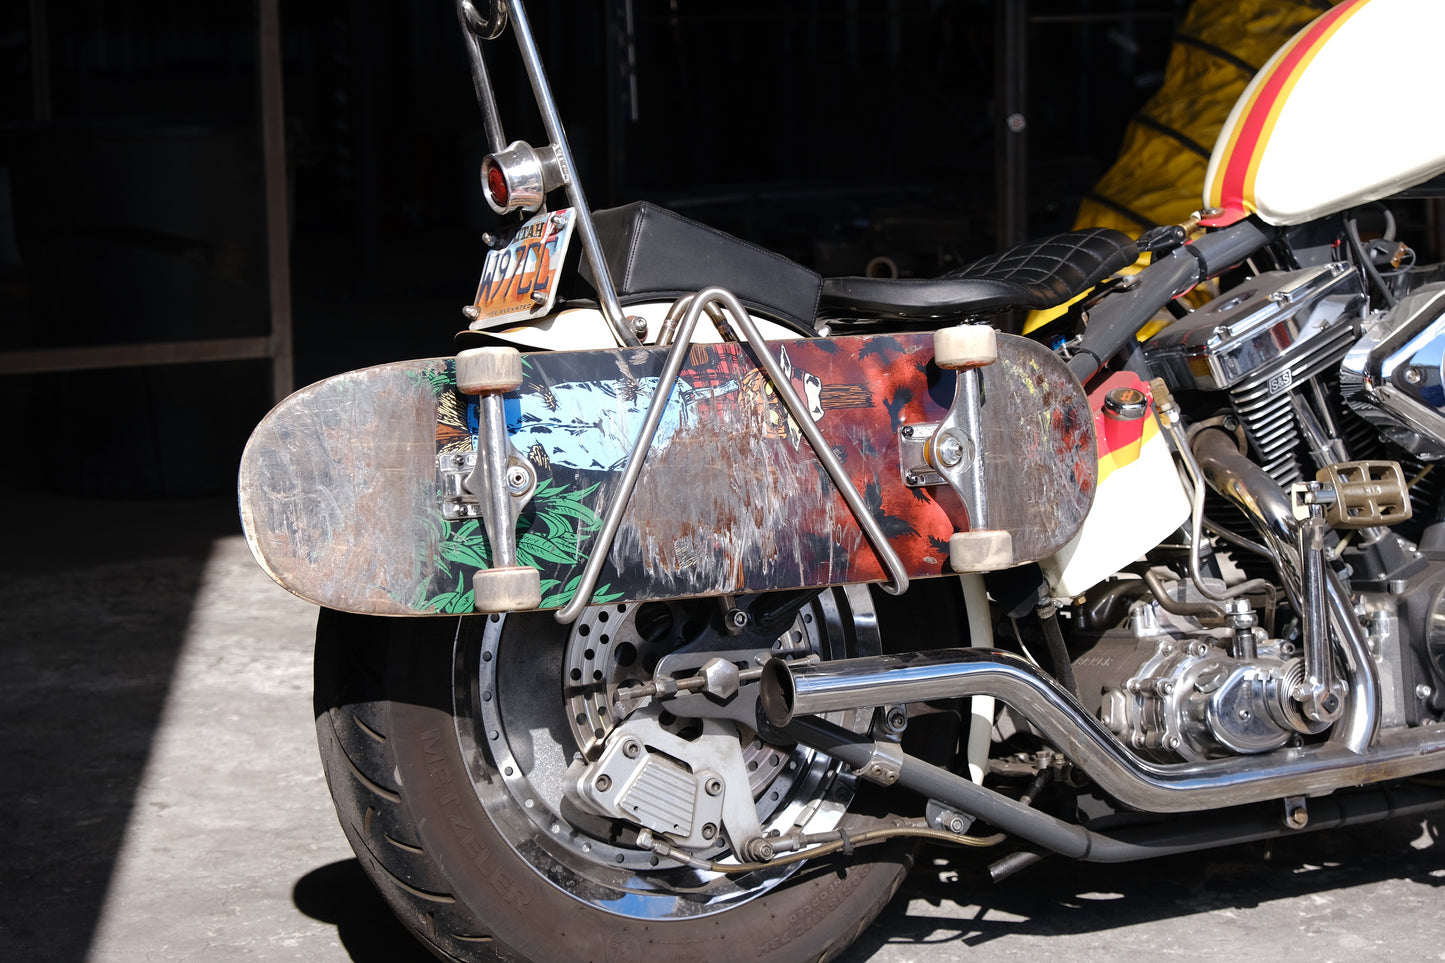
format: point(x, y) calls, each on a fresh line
point(493, 484)
point(708, 300)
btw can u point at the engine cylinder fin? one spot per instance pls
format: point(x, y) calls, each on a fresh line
point(1261, 401)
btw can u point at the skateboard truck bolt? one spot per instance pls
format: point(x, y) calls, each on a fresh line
point(950, 449)
point(519, 479)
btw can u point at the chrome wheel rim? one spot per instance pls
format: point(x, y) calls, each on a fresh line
point(532, 696)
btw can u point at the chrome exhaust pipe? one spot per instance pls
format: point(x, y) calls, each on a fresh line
point(1268, 507)
point(791, 691)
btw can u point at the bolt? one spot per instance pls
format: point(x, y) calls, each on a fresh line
point(518, 480)
point(709, 830)
point(603, 783)
point(1414, 375)
point(737, 618)
point(539, 298)
point(911, 478)
point(897, 719)
point(631, 749)
point(956, 823)
point(950, 450)
point(713, 786)
point(1016, 123)
point(907, 431)
point(1423, 692)
point(639, 325)
point(471, 312)
point(1330, 703)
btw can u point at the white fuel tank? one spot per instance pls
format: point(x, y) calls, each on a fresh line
point(1344, 113)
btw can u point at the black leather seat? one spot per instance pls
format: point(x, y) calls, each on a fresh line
point(653, 253)
point(1041, 273)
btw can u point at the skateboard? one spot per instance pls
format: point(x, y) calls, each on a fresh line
point(354, 491)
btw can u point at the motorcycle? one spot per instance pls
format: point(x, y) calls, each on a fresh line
point(1243, 638)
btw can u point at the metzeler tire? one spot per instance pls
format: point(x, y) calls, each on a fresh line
point(409, 793)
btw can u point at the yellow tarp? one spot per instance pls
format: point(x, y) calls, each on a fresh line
point(1158, 177)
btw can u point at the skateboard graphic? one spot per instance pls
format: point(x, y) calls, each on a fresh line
point(354, 491)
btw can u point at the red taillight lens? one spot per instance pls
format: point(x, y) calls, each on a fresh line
point(513, 178)
point(496, 184)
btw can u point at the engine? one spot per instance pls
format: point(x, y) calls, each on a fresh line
point(1295, 366)
point(1192, 690)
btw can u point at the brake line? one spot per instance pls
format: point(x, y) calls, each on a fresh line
point(845, 841)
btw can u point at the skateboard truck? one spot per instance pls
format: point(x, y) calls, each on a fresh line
point(501, 480)
point(949, 451)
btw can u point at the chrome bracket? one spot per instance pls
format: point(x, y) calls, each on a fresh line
point(945, 453)
point(677, 354)
point(458, 473)
point(913, 463)
point(695, 792)
point(884, 764)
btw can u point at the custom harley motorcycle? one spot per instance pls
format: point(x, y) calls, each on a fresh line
point(1244, 638)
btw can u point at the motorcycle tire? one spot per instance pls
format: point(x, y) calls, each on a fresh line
point(459, 855)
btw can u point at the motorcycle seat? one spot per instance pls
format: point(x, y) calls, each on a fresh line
point(652, 252)
point(1041, 273)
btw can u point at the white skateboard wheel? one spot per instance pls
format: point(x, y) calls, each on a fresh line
point(965, 346)
point(494, 368)
point(509, 589)
point(983, 551)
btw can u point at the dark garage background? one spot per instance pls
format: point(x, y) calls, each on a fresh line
point(132, 204)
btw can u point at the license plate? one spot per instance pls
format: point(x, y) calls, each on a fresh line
point(519, 280)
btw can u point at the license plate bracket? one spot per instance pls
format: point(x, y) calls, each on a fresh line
point(519, 278)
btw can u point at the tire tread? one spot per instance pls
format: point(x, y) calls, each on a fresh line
point(350, 709)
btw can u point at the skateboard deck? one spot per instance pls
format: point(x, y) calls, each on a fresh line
point(342, 485)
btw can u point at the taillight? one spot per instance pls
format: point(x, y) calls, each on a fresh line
point(496, 182)
point(518, 177)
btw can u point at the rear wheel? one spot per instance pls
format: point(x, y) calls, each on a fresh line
point(453, 750)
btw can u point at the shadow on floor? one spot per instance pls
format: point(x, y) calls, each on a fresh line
point(1060, 897)
point(94, 607)
point(340, 894)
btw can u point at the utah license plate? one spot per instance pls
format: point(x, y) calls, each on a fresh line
point(519, 279)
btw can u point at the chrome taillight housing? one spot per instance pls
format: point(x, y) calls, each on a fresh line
point(518, 177)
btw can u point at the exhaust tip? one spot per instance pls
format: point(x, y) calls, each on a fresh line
point(776, 693)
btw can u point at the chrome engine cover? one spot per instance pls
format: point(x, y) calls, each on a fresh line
point(1394, 376)
point(1264, 323)
point(1170, 688)
point(1260, 343)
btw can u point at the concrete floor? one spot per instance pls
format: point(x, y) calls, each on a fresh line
point(167, 803)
